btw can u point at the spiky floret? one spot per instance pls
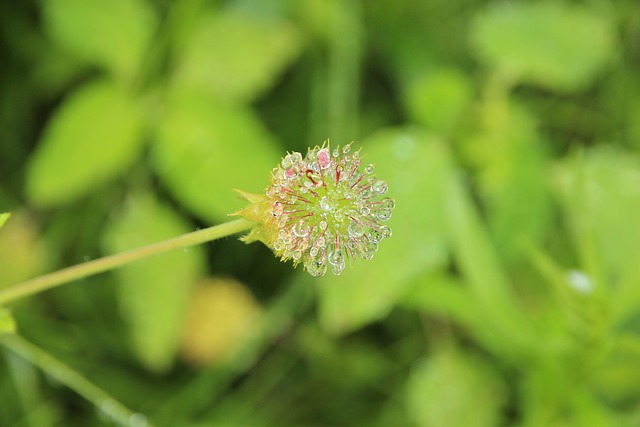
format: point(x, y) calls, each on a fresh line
point(323, 211)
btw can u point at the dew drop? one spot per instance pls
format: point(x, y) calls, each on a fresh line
point(336, 258)
point(301, 229)
point(368, 250)
point(327, 204)
point(388, 203)
point(366, 193)
point(364, 210)
point(336, 153)
point(374, 235)
point(279, 244)
point(369, 169)
point(277, 209)
point(283, 221)
point(379, 187)
point(323, 158)
point(316, 266)
point(320, 242)
point(339, 215)
point(337, 269)
point(297, 254)
point(386, 232)
point(313, 251)
point(355, 229)
point(384, 214)
point(346, 148)
point(323, 225)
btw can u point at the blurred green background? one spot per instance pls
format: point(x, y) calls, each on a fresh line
point(508, 132)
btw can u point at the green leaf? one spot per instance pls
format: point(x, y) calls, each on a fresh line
point(599, 195)
point(513, 334)
point(7, 322)
point(235, 56)
point(438, 98)
point(511, 166)
point(456, 390)
point(415, 166)
point(205, 150)
point(4, 217)
point(153, 293)
point(114, 34)
point(92, 137)
point(551, 44)
point(22, 253)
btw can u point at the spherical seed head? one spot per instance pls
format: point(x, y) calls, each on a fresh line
point(325, 210)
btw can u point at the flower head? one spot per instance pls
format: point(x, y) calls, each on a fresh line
point(322, 210)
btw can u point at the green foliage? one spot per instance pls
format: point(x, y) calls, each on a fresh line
point(113, 34)
point(153, 293)
point(94, 136)
point(509, 294)
point(547, 43)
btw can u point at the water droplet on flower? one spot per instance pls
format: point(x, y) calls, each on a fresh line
point(346, 148)
point(297, 254)
point(323, 225)
point(283, 221)
point(355, 229)
point(384, 214)
point(374, 235)
point(366, 193)
point(323, 158)
point(388, 203)
point(369, 169)
point(279, 244)
point(379, 187)
point(336, 153)
point(336, 257)
point(327, 204)
point(337, 269)
point(339, 215)
point(313, 251)
point(386, 232)
point(316, 266)
point(320, 242)
point(368, 250)
point(301, 228)
point(277, 209)
point(364, 210)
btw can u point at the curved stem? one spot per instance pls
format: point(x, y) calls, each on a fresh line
point(72, 379)
point(100, 265)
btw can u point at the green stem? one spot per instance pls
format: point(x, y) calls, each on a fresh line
point(72, 379)
point(100, 265)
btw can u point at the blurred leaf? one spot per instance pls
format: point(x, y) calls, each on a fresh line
point(617, 380)
point(3, 218)
point(600, 195)
point(7, 322)
point(513, 332)
point(551, 44)
point(22, 256)
point(111, 33)
point(93, 136)
point(221, 315)
point(234, 56)
point(437, 98)
point(456, 390)
point(205, 150)
point(511, 164)
point(153, 293)
point(416, 166)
